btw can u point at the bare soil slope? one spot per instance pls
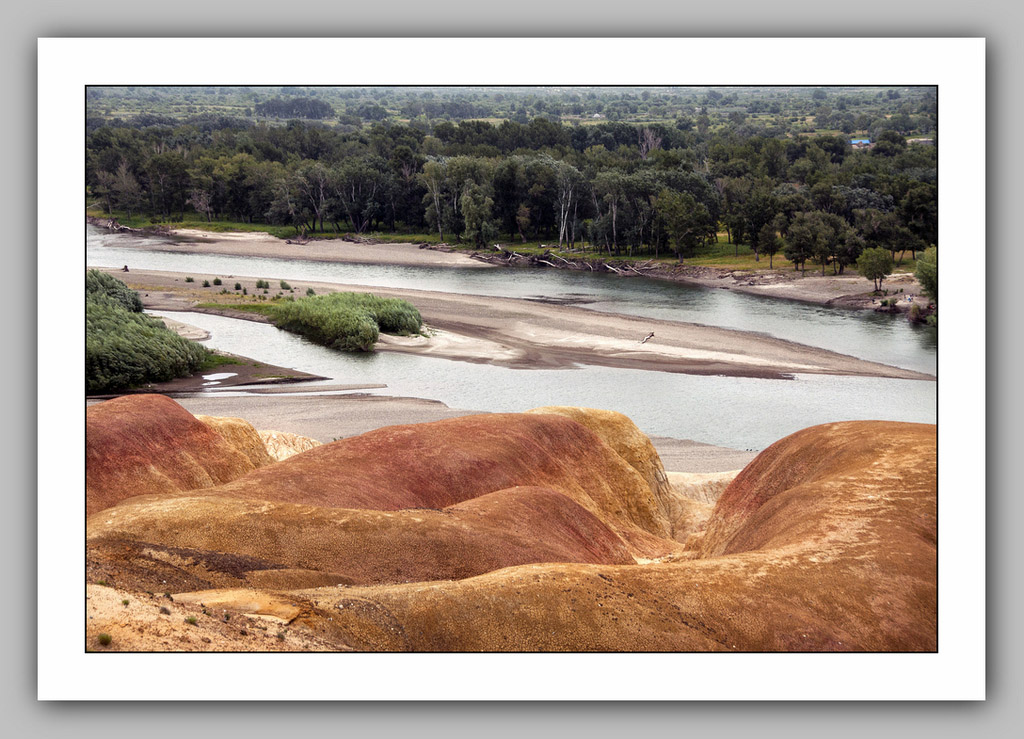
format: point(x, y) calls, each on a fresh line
point(451, 461)
point(144, 444)
point(520, 532)
point(287, 542)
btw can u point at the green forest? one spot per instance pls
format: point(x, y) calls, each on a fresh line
point(814, 175)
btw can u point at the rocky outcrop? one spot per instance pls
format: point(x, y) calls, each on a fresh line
point(283, 444)
point(145, 444)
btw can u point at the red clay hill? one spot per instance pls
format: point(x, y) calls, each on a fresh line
point(543, 531)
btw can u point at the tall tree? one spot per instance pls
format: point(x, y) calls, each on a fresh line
point(875, 264)
point(610, 187)
point(802, 239)
point(126, 188)
point(686, 220)
point(433, 178)
point(360, 187)
point(568, 182)
point(313, 182)
point(476, 213)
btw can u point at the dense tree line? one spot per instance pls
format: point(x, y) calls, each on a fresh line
point(295, 107)
point(792, 110)
point(623, 189)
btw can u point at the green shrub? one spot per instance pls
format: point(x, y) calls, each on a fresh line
point(189, 279)
point(262, 285)
point(206, 283)
point(191, 620)
point(285, 285)
point(216, 281)
point(124, 349)
point(346, 321)
point(103, 639)
point(310, 292)
point(238, 285)
point(100, 283)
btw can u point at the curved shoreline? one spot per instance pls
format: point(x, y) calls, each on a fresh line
point(530, 334)
point(835, 291)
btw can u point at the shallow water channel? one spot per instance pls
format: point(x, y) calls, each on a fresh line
point(742, 413)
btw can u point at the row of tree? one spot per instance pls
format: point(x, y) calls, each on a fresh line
point(623, 189)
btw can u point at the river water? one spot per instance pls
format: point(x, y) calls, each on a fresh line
point(743, 413)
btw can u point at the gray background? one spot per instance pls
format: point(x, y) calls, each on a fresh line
point(993, 19)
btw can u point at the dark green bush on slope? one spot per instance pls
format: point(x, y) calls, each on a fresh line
point(124, 348)
point(100, 283)
point(346, 321)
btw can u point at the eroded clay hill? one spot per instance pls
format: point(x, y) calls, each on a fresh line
point(836, 552)
point(551, 530)
point(295, 545)
point(147, 444)
point(440, 464)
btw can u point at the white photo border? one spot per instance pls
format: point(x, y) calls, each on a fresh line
point(67, 65)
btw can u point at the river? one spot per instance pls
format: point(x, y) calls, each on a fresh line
point(741, 413)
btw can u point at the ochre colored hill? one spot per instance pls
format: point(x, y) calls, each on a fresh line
point(800, 488)
point(514, 532)
point(501, 529)
point(828, 558)
point(682, 513)
point(435, 465)
point(620, 433)
point(143, 444)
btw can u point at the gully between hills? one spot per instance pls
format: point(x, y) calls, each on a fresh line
point(556, 529)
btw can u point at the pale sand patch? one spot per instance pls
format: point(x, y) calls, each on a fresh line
point(451, 345)
point(248, 602)
point(330, 250)
point(185, 330)
point(614, 347)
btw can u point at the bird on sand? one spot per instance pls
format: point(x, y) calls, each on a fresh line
point(647, 338)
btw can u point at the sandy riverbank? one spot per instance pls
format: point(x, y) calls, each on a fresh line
point(844, 291)
point(249, 244)
point(837, 291)
point(528, 334)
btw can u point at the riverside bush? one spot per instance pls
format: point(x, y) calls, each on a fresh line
point(100, 283)
point(347, 321)
point(125, 349)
